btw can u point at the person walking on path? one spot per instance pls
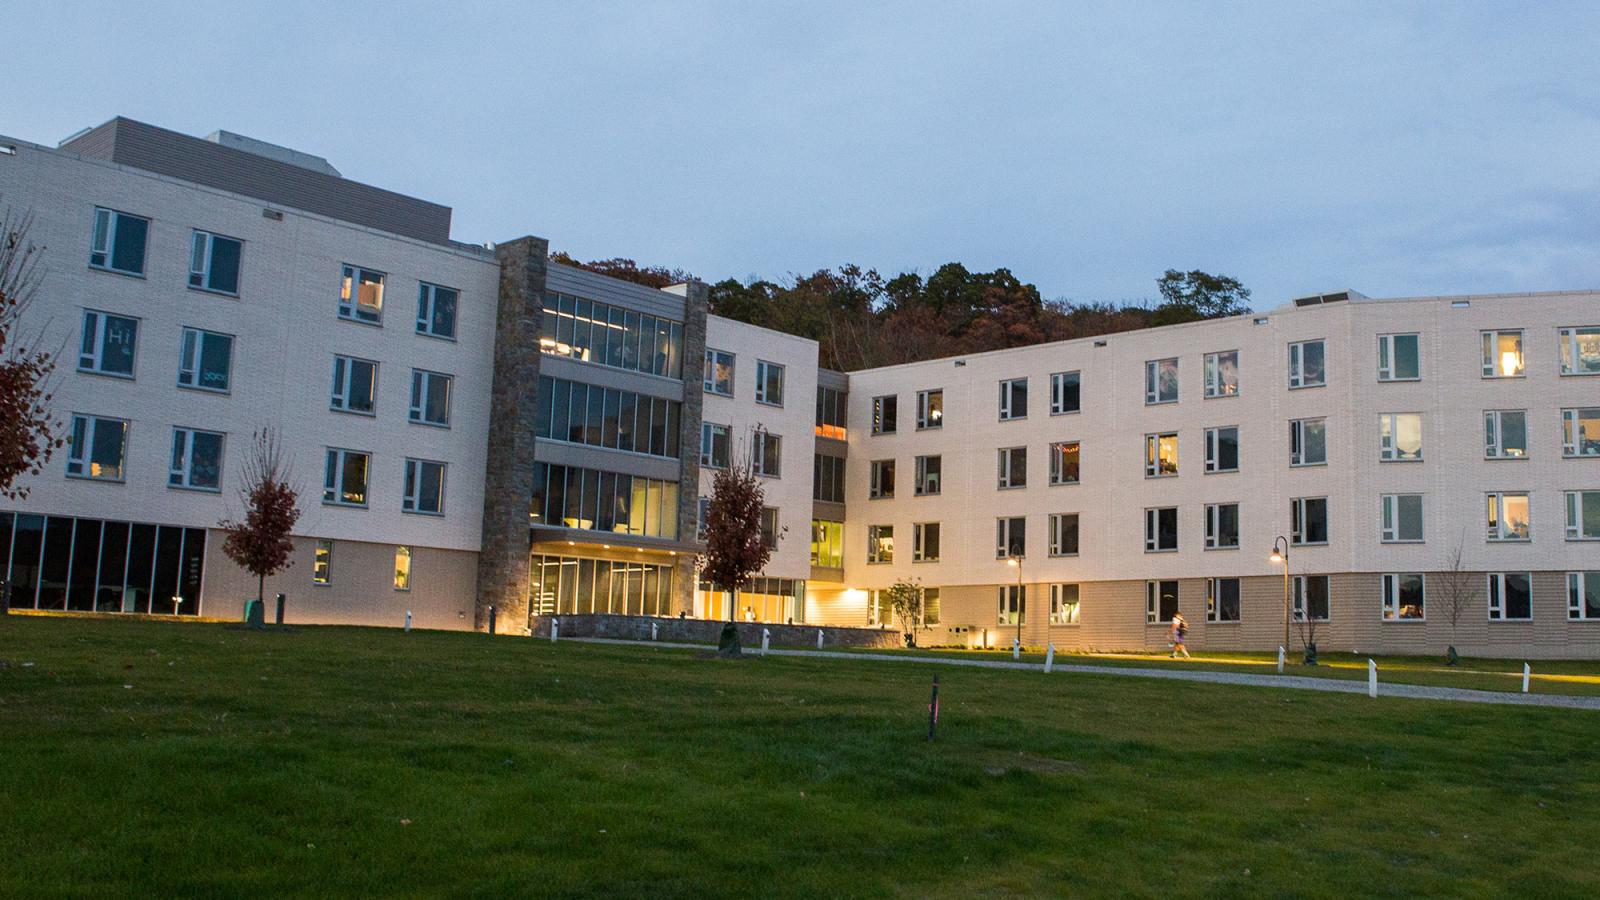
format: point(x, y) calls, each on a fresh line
point(1180, 630)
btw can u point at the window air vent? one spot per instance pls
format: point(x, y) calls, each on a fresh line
point(8, 149)
point(1099, 343)
point(273, 214)
point(1460, 304)
point(1260, 320)
point(960, 363)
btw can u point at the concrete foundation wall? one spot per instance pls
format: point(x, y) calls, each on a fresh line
point(704, 631)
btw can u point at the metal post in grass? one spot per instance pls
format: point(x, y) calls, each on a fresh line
point(819, 638)
point(1280, 659)
point(491, 621)
point(1282, 555)
point(1372, 678)
point(1049, 658)
point(279, 617)
point(1526, 672)
point(766, 637)
point(555, 629)
point(408, 621)
point(933, 708)
point(653, 632)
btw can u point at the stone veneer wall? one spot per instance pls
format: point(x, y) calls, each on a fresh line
point(707, 631)
point(696, 306)
point(508, 478)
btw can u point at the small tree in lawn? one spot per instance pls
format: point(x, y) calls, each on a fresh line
point(736, 549)
point(1457, 591)
point(905, 602)
point(260, 544)
point(28, 433)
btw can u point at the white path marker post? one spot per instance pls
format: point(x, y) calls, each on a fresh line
point(1016, 649)
point(408, 621)
point(1526, 672)
point(1049, 658)
point(653, 632)
point(1372, 678)
point(555, 630)
point(819, 638)
point(766, 635)
point(1280, 659)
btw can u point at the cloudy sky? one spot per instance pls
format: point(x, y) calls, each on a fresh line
point(1397, 149)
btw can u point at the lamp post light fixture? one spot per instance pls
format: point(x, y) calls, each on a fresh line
point(1016, 562)
point(1282, 556)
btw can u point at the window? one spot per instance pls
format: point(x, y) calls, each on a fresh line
point(1580, 351)
point(1160, 601)
point(1510, 596)
point(1309, 598)
point(880, 543)
point(879, 610)
point(1306, 365)
point(1161, 381)
point(767, 454)
point(1399, 357)
point(1505, 434)
point(1400, 518)
point(702, 509)
point(436, 311)
point(1400, 437)
point(424, 491)
point(930, 606)
point(1580, 432)
point(1583, 595)
point(1160, 455)
point(1013, 604)
point(769, 526)
point(714, 446)
point(1583, 515)
point(930, 409)
point(883, 414)
point(1308, 442)
point(214, 263)
point(355, 385)
point(1222, 526)
point(830, 413)
point(1509, 517)
point(928, 475)
point(344, 479)
point(1222, 449)
point(827, 478)
point(1308, 520)
point(1064, 462)
point(1222, 374)
point(430, 398)
point(1013, 467)
point(118, 241)
point(1064, 390)
point(1010, 537)
point(769, 383)
point(1064, 607)
point(108, 344)
point(97, 448)
point(827, 543)
point(322, 563)
point(882, 486)
point(595, 332)
point(580, 413)
point(1161, 529)
point(603, 501)
point(402, 568)
point(196, 460)
point(1222, 599)
point(1014, 399)
point(1403, 598)
point(1063, 534)
point(361, 295)
point(719, 372)
point(205, 360)
point(1502, 354)
point(925, 542)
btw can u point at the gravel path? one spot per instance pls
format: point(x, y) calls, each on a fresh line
point(1385, 689)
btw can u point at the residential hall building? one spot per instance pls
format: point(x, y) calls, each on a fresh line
point(476, 426)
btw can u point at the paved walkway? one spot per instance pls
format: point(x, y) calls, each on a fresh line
point(1331, 685)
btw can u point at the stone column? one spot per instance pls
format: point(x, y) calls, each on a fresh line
point(508, 474)
point(696, 306)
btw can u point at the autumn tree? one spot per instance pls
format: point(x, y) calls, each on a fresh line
point(260, 544)
point(736, 548)
point(1195, 295)
point(627, 270)
point(28, 432)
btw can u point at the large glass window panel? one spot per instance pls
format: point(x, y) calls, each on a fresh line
point(1399, 357)
point(361, 295)
point(1505, 433)
point(1580, 432)
point(1222, 374)
point(27, 542)
point(1580, 351)
point(214, 263)
point(1161, 381)
point(1502, 354)
point(108, 344)
point(1400, 437)
point(113, 567)
point(85, 565)
point(1306, 365)
point(141, 569)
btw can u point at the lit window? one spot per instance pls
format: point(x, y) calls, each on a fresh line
point(1222, 449)
point(1160, 455)
point(436, 311)
point(119, 240)
point(1502, 354)
point(1400, 518)
point(1222, 374)
point(1011, 537)
point(1222, 600)
point(930, 606)
point(1308, 442)
point(424, 491)
point(1309, 598)
point(108, 344)
point(205, 360)
point(344, 479)
point(1403, 597)
point(1580, 432)
point(883, 414)
point(1306, 365)
point(1399, 357)
point(97, 448)
point(1013, 467)
point(1505, 434)
point(1064, 393)
point(769, 383)
point(827, 542)
point(831, 405)
point(1510, 596)
point(1583, 595)
point(1160, 601)
point(1400, 437)
point(1510, 517)
point(929, 473)
point(361, 295)
point(1161, 529)
point(882, 483)
point(1013, 604)
point(196, 460)
point(766, 452)
point(930, 409)
point(322, 563)
point(880, 543)
point(1161, 381)
point(1583, 515)
point(214, 263)
point(355, 385)
point(714, 445)
point(1013, 399)
point(719, 372)
point(1064, 606)
point(1063, 534)
point(1308, 520)
point(769, 526)
point(925, 542)
point(1222, 526)
point(402, 568)
point(1064, 462)
point(1580, 351)
point(430, 397)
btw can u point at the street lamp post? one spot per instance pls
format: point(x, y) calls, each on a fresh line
point(1282, 556)
point(1016, 561)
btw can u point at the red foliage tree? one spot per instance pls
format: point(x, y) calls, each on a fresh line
point(260, 544)
point(28, 433)
point(736, 550)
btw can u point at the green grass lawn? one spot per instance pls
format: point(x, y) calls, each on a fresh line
point(161, 759)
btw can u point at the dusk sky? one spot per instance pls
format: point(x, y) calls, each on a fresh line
point(1396, 149)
